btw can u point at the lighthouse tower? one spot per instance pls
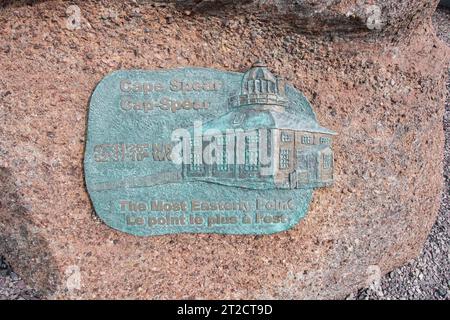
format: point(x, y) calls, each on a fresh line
point(260, 90)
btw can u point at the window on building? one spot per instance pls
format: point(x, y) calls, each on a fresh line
point(251, 152)
point(286, 137)
point(327, 161)
point(222, 163)
point(284, 158)
point(257, 86)
point(324, 140)
point(196, 155)
point(238, 118)
point(307, 140)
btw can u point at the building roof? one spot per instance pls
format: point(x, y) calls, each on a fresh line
point(259, 71)
point(251, 119)
point(262, 103)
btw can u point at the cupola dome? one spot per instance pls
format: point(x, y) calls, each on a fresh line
point(260, 87)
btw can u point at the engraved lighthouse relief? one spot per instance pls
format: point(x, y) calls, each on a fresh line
point(203, 151)
point(297, 151)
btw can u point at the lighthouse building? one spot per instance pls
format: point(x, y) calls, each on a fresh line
point(299, 149)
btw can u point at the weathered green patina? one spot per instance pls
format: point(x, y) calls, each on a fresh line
point(197, 150)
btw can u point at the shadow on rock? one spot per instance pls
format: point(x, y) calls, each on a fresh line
point(303, 17)
point(19, 3)
point(20, 243)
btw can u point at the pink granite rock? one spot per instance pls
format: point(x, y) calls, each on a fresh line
point(381, 89)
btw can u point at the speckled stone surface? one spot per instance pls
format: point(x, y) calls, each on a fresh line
point(383, 94)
